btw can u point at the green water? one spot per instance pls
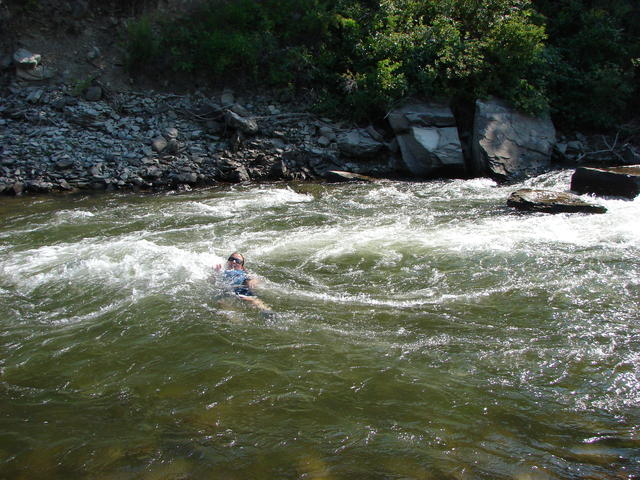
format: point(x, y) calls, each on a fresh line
point(420, 331)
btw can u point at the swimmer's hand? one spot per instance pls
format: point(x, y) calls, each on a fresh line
point(218, 267)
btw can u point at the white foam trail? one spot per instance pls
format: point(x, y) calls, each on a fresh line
point(127, 261)
point(69, 216)
point(247, 201)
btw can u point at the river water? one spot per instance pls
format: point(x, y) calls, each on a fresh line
point(419, 331)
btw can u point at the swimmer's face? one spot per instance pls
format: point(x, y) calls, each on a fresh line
point(234, 262)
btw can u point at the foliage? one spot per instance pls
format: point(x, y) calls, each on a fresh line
point(141, 44)
point(362, 56)
point(593, 81)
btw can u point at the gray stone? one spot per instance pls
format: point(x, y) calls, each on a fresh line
point(159, 144)
point(24, 59)
point(240, 110)
point(430, 114)
point(615, 181)
point(427, 138)
point(93, 93)
point(227, 98)
point(359, 144)
point(171, 133)
point(64, 163)
point(245, 125)
point(427, 151)
point(94, 53)
point(36, 74)
point(548, 201)
point(508, 145)
point(186, 177)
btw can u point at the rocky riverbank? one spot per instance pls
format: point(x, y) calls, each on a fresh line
point(57, 140)
point(58, 137)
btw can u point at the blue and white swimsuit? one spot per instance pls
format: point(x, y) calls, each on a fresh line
point(238, 280)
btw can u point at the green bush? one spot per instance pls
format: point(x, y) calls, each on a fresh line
point(141, 43)
point(592, 79)
point(363, 56)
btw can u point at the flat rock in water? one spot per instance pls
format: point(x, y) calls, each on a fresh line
point(548, 201)
point(615, 181)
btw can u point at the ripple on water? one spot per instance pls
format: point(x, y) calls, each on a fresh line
point(420, 330)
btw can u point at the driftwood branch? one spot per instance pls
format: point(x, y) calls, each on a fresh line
point(612, 149)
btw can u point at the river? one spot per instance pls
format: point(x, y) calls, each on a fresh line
point(419, 331)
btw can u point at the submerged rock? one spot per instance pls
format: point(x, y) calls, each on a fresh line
point(615, 181)
point(548, 201)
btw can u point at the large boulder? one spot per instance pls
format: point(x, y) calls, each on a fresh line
point(548, 201)
point(428, 139)
point(615, 181)
point(508, 145)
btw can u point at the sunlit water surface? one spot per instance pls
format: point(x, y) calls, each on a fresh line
point(420, 330)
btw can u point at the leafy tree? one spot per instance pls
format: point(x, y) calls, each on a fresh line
point(581, 56)
point(593, 52)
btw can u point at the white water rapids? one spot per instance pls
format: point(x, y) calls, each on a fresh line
point(420, 330)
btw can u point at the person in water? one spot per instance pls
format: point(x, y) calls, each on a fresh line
point(235, 274)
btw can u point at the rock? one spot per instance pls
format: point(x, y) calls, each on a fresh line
point(428, 139)
point(38, 186)
point(5, 61)
point(35, 96)
point(96, 171)
point(323, 141)
point(171, 133)
point(245, 125)
point(614, 181)
point(232, 171)
point(188, 178)
point(64, 164)
point(358, 143)
point(173, 146)
point(414, 114)
point(159, 144)
point(26, 60)
point(548, 201)
point(325, 131)
point(227, 98)
point(37, 74)
point(84, 115)
point(93, 93)
point(214, 126)
point(431, 151)
point(508, 145)
point(240, 110)
point(342, 176)
point(94, 53)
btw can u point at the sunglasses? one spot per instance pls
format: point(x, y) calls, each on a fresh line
point(235, 260)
